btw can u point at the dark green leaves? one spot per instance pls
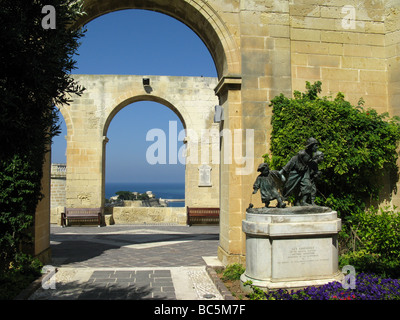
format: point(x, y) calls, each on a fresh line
point(35, 66)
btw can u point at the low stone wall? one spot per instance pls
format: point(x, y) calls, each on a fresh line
point(55, 215)
point(132, 203)
point(135, 215)
point(149, 215)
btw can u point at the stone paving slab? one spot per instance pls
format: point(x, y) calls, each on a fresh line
point(177, 283)
point(133, 262)
point(133, 246)
point(114, 284)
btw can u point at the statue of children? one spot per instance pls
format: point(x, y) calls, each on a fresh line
point(297, 174)
point(268, 183)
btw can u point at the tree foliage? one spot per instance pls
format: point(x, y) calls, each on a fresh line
point(35, 66)
point(359, 145)
point(379, 232)
point(128, 195)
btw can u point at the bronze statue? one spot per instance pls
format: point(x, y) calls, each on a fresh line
point(298, 177)
point(268, 182)
point(297, 174)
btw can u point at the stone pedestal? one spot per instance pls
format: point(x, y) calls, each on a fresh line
point(291, 248)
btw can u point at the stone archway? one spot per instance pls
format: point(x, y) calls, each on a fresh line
point(191, 98)
point(217, 23)
point(207, 20)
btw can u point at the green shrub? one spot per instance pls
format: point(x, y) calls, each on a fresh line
point(256, 293)
point(22, 271)
point(377, 249)
point(233, 272)
point(365, 262)
point(379, 232)
point(19, 194)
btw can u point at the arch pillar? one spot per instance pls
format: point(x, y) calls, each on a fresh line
point(85, 180)
point(231, 245)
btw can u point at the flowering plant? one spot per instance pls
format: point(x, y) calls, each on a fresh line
point(367, 287)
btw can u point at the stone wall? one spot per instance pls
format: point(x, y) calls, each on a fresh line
point(346, 44)
point(57, 185)
point(149, 215)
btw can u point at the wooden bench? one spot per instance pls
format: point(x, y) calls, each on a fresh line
point(76, 214)
point(202, 215)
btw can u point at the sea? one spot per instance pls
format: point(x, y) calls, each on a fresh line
point(164, 190)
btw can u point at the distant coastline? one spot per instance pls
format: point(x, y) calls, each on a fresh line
point(164, 190)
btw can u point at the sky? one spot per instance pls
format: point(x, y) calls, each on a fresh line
point(138, 42)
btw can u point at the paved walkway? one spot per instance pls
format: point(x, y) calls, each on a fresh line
point(136, 262)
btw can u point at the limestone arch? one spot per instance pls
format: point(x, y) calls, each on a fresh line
point(123, 102)
point(183, 115)
point(68, 120)
point(200, 16)
point(219, 29)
